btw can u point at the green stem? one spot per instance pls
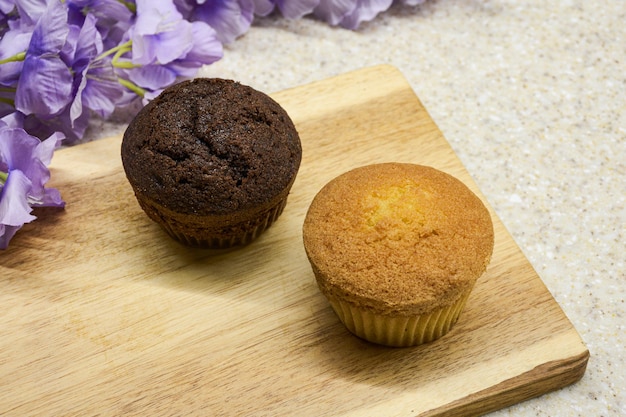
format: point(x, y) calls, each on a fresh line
point(125, 47)
point(118, 51)
point(125, 64)
point(132, 87)
point(7, 101)
point(20, 56)
point(3, 177)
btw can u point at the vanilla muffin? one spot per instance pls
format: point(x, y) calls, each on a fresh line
point(396, 249)
point(212, 161)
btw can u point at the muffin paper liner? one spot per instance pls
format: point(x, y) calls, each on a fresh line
point(237, 234)
point(398, 331)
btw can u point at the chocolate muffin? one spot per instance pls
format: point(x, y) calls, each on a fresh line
point(212, 161)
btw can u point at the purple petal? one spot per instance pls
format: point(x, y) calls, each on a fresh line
point(24, 153)
point(50, 30)
point(154, 16)
point(68, 50)
point(101, 93)
point(107, 12)
point(11, 43)
point(333, 11)
point(46, 82)
point(229, 18)
point(89, 42)
point(262, 7)
point(42, 127)
point(45, 86)
point(185, 7)
point(30, 10)
point(12, 119)
point(45, 149)
point(114, 35)
point(17, 148)
point(151, 95)
point(152, 77)
point(6, 233)
point(160, 33)
point(296, 9)
point(24, 158)
point(206, 47)
point(143, 50)
point(51, 198)
point(175, 43)
point(412, 2)
point(184, 69)
point(365, 10)
point(76, 108)
point(14, 208)
point(6, 6)
point(92, 78)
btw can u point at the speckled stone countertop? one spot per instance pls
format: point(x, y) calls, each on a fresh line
point(532, 97)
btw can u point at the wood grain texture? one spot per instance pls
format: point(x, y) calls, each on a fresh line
point(104, 314)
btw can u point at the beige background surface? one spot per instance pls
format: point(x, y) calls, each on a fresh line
point(531, 97)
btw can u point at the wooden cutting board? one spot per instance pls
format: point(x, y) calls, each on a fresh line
point(103, 314)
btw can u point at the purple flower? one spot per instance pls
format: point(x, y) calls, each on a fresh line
point(95, 83)
point(333, 11)
point(160, 34)
point(64, 76)
point(149, 80)
point(229, 18)
point(9, 117)
point(296, 9)
point(30, 10)
point(365, 11)
point(165, 46)
point(6, 6)
point(113, 17)
point(107, 12)
point(45, 85)
point(24, 162)
point(12, 46)
point(206, 49)
point(350, 13)
point(262, 7)
point(72, 129)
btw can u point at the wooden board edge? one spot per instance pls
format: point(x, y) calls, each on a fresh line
point(545, 378)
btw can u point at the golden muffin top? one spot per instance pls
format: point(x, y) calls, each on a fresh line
point(400, 239)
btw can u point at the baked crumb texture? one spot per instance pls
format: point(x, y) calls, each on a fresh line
point(212, 161)
point(397, 248)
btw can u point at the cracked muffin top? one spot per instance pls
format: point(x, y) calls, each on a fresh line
point(211, 146)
